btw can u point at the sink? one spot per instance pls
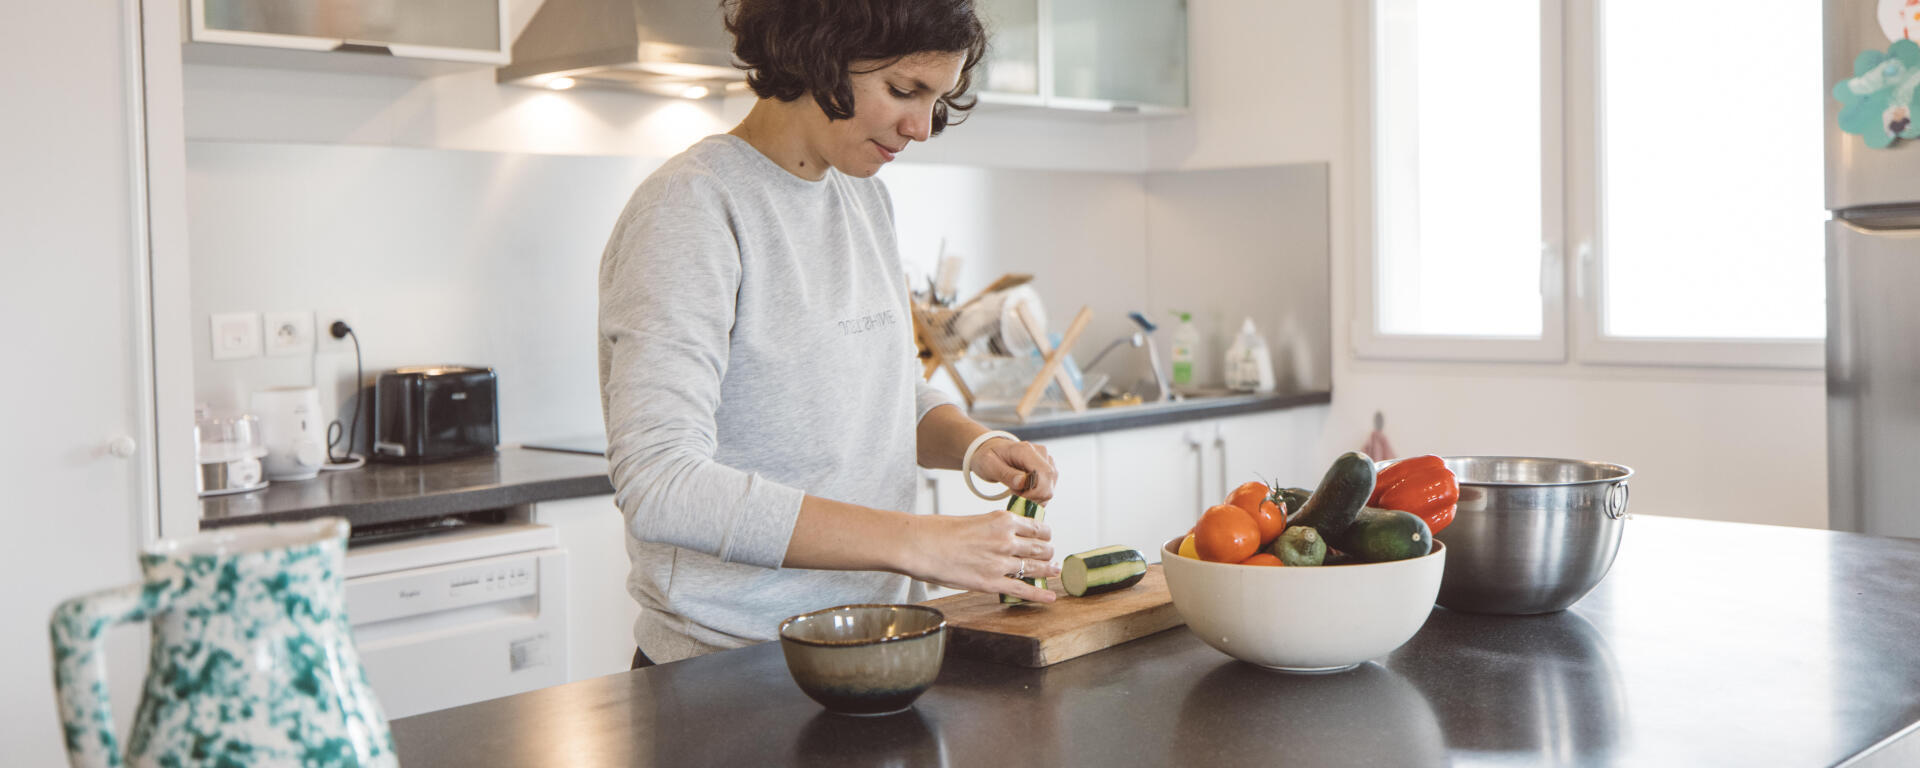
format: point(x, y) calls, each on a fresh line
point(1049, 412)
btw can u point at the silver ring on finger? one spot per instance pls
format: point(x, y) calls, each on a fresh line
point(1023, 569)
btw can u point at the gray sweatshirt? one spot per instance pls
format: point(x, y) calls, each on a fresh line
point(755, 346)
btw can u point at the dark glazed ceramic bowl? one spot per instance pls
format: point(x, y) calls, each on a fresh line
point(865, 659)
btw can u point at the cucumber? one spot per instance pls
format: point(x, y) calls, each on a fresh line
point(1300, 546)
point(1025, 507)
point(1341, 494)
point(1102, 570)
point(1380, 535)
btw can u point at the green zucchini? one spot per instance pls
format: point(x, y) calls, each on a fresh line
point(1025, 507)
point(1300, 545)
point(1340, 495)
point(1380, 535)
point(1102, 570)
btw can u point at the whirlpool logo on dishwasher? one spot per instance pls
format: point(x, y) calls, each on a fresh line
point(855, 325)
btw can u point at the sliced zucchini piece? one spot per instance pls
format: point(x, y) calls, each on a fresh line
point(1025, 507)
point(1102, 570)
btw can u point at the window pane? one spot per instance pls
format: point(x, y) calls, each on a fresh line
point(1457, 117)
point(1711, 171)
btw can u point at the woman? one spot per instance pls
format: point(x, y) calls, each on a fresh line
point(762, 399)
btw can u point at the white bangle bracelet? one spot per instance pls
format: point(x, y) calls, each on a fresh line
point(966, 464)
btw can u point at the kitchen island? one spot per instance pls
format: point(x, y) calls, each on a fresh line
point(1709, 644)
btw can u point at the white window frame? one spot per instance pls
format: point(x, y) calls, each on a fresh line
point(1572, 279)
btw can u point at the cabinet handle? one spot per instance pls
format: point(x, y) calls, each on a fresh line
point(1220, 442)
point(1199, 475)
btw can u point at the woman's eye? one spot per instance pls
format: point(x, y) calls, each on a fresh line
point(897, 93)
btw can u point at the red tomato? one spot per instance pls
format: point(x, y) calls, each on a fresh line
point(1263, 558)
point(1226, 534)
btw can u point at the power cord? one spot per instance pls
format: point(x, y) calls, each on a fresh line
point(348, 459)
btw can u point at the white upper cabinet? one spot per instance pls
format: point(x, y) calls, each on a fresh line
point(1125, 56)
point(387, 36)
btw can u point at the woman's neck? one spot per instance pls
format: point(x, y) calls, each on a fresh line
point(775, 128)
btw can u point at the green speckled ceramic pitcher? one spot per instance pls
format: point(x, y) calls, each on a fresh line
point(253, 662)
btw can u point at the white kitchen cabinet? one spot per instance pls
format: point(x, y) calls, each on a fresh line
point(1158, 480)
point(92, 224)
point(1153, 481)
point(600, 613)
point(1118, 55)
point(1270, 446)
point(1077, 506)
point(375, 36)
point(1088, 55)
point(1013, 69)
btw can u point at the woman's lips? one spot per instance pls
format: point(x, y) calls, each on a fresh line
point(886, 155)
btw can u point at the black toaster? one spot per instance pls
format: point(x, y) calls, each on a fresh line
point(435, 412)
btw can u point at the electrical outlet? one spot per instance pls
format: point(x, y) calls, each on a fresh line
point(234, 335)
point(289, 334)
point(323, 331)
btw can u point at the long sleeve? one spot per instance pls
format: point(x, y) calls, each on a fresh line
point(754, 348)
point(668, 286)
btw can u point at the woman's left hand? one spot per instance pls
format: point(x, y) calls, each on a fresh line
point(1022, 466)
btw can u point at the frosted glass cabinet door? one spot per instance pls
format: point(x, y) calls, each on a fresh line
point(1123, 51)
point(1013, 63)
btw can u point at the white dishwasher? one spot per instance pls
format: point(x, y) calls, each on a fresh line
point(455, 617)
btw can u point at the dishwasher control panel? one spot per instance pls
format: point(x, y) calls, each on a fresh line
point(422, 591)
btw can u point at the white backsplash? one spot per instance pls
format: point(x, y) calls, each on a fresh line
point(486, 258)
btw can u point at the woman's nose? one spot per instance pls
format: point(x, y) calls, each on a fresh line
point(918, 126)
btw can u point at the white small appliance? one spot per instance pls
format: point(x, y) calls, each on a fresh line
point(452, 618)
point(228, 451)
point(294, 432)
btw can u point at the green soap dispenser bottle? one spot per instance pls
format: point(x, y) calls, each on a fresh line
point(1186, 339)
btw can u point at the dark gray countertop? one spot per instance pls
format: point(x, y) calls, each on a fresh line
point(566, 468)
point(1709, 644)
point(1066, 423)
point(389, 493)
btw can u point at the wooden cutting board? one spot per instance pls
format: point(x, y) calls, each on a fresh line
point(1036, 635)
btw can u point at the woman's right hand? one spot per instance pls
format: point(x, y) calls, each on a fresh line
point(982, 553)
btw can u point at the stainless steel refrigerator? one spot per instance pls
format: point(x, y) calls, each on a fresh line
point(1873, 276)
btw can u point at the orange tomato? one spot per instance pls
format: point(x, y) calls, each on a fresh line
point(1226, 534)
point(1262, 558)
point(1270, 520)
point(1249, 495)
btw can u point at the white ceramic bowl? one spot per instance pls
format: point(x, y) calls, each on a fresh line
point(1304, 619)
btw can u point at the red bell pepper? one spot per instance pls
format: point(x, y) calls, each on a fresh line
point(1421, 485)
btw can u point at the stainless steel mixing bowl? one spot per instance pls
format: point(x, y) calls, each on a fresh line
point(1531, 535)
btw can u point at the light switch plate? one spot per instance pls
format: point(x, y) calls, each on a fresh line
point(235, 335)
point(289, 333)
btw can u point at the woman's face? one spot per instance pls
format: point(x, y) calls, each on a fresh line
point(892, 106)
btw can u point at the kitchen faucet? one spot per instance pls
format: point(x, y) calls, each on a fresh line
point(1135, 339)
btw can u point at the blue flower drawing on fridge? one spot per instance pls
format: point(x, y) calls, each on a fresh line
point(1877, 102)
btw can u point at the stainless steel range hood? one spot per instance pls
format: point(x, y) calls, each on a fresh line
point(658, 46)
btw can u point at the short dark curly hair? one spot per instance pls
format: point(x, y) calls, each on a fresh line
point(792, 48)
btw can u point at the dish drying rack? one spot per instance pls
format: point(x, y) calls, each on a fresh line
point(946, 334)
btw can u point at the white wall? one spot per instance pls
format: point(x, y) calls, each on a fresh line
point(1272, 82)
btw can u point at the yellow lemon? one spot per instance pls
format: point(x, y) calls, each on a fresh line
point(1187, 549)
